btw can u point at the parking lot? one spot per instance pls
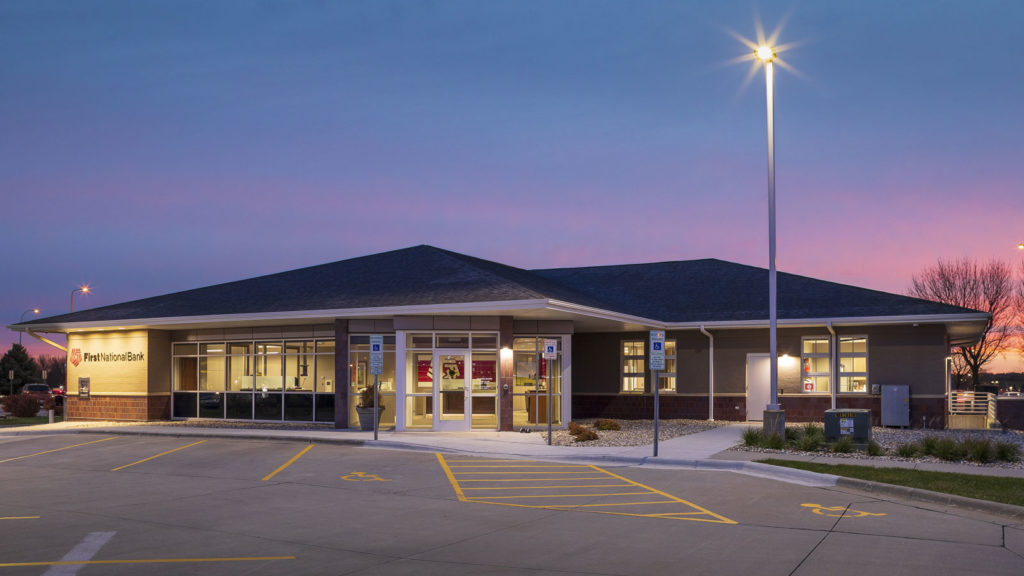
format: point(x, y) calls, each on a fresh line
point(108, 504)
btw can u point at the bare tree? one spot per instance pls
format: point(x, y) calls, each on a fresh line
point(985, 287)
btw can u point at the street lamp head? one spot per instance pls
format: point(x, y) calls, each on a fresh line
point(85, 289)
point(1020, 246)
point(765, 53)
point(35, 310)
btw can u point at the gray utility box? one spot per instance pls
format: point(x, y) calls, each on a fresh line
point(849, 422)
point(895, 405)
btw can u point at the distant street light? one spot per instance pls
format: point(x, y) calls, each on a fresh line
point(83, 290)
point(1020, 246)
point(32, 310)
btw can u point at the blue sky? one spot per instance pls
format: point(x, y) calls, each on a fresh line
point(150, 147)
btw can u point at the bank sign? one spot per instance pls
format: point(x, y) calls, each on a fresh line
point(77, 357)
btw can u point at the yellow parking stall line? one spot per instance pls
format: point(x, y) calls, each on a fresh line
point(146, 561)
point(560, 495)
point(617, 504)
point(19, 518)
point(552, 482)
point(288, 463)
point(721, 519)
point(537, 466)
point(57, 449)
point(492, 473)
point(488, 460)
point(555, 486)
point(531, 479)
point(156, 456)
point(451, 478)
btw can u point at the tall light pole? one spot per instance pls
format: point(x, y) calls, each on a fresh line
point(22, 319)
point(83, 290)
point(774, 417)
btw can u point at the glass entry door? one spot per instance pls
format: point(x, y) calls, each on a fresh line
point(451, 393)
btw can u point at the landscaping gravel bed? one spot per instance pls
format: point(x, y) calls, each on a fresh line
point(891, 438)
point(633, 432)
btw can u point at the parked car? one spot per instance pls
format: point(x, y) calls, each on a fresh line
point(40, 392)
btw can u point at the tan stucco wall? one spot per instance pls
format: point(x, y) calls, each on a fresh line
point(112, 377)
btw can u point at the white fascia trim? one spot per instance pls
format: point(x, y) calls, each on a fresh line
point(298, 315)
point(562, 306)
point(846, 321)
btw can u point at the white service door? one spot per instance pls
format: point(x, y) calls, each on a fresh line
point(759, 382)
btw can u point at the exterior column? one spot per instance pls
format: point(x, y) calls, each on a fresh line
point(506, 379)
point(341, 374)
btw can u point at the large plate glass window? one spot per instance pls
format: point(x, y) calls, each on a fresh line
point(360, 377)
point(667, 377)
point(634, 368)
point(245, 380)
point(533, 374)
point(853, 364)
point(814, 364)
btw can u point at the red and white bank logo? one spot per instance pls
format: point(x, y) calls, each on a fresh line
point(76, 356)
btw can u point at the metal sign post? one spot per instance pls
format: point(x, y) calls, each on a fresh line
point(550, 353)
point(376, 368)
point(657, 356)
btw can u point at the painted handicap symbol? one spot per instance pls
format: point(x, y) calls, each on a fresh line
point(364, 477)
point(839, 511)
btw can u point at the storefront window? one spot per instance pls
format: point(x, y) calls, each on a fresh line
point(633, 366)
point(814, 364)
point(533, 376)
point(853, 364)
point(360, 377)
point(667, 377)
point(267, 380)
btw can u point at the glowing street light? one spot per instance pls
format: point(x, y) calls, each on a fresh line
point(1020, 246)
point(766, 54)
point(83, 289)
point(22, 319)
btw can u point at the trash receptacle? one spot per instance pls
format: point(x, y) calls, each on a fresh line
point(855, 423)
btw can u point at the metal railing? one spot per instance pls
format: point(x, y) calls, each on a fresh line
point(967, 402)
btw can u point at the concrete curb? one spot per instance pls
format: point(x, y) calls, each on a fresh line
point(919, 495)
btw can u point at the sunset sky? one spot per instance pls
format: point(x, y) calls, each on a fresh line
point(152, 147)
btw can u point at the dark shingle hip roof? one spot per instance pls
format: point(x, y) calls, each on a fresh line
point(685, 291)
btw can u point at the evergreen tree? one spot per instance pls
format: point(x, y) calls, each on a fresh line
point(25, 369)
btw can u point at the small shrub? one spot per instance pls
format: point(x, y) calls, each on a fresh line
point(843, 446)
point(1007, 451)
point(908, 450)
point(929, 445)
point(811, 442)
point(21, 405)
point(575, 428)
point(979, 450)
point(605, 424)
point(753, 437)
point(812, 429)
point(586, 435)
point(873, 449)
point(775, 442)
point(949, 450)
point(793, 437)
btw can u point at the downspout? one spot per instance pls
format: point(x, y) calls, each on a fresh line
point(711, 373)
point(832, 363)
